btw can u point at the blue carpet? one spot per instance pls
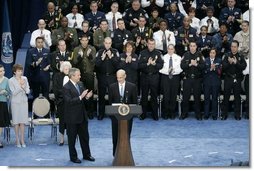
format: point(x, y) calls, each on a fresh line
point(154, 143)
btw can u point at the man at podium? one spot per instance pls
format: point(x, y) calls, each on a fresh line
point(121, 92)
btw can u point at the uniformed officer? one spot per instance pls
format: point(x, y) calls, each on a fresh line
point(52, 17)
point(59, 56)
point(129, 62)
point(193, 66)
point(231, 16)
point(106, 64)
point(212, 84)
point(39, 63)
point(150, 62)
point(66, 33)
point(86, 31)
point(185, 34)
point(140, 34)
point(174, 18)
point(84, 60)
point(233, 65)
point(204, 41)
point(121, 36)
point(222, 40)
point(131, 15)
point(170, 81)
point(94, 17)
point(100, 34)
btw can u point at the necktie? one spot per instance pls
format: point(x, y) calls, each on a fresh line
point(104, 35)
point(114, 22)
point(63, 55)
point(40, 50)
point(164, 41)
point(77, 87)
point(41, 32)
point(211, 61)
point(94, 14)
point(121, 91)
point(170, 68)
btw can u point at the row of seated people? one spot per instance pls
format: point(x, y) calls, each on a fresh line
point(178, 32)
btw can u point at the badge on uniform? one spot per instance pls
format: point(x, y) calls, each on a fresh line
point(198, 58)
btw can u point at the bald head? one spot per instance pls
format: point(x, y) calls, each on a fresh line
point(41, 24)
point(121, 75)
point(51, 7)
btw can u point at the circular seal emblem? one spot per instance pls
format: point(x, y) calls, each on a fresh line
point(123, 109)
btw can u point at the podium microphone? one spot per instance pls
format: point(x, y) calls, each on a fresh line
point(126, 97)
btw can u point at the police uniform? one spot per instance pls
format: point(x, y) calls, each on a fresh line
point(170, 82)
point(149, 80)
point(174, 21)
point(94, 20)
point(106, 75)
point(39, 78)
point(182, 33)
point(233, 77)
point(86, 65)
point(154, 23)
point(120, 37)
point(145, 34)
point(131, 68)
point(192, 81)
point(130, 14)
point(233, 26)
point(211, 84)
point(204, 44)
point(56, 59)
point(71, 41)
point(98, 38)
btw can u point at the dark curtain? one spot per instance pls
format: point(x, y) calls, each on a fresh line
point(24, 15)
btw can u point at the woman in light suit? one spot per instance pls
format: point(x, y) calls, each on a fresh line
point(19, 103)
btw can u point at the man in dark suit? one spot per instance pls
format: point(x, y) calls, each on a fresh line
point(121, 92)
point(75, 116)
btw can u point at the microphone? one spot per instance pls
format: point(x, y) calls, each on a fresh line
point(126, 97)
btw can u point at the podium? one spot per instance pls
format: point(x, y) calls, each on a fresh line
point(123, 113)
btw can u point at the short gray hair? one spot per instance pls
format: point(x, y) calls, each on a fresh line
point(65, 64)
point(72, 72)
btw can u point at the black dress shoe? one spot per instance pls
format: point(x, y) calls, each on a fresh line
point(165, 117)
point(224, 117)
point(76, 160)
point(155, 117)
point(142, 117)
point(1, 146)
point(61, 143)
point(238, 118)
point(214, 117)
point(90, 115)
point(89, 158)
point(100, 117)
point(172, 117)
point(182, 117)
point(206, 117)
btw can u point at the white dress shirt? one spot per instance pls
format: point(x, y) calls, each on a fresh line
point(211, 29)
point(176, 59)
point(79, 19)
point(195, 24)
point(147, 3)
point(120, 87)
point(170, 37)
point(65, 80)
point(109, 17)
point(41, 33)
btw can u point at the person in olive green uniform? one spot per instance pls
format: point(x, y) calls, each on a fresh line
point(84, 59)
point(66, 33)
point(100, 34)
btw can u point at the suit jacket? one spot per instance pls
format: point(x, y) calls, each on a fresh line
point(130, 93)
point(212, 77)
point(74, 108)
